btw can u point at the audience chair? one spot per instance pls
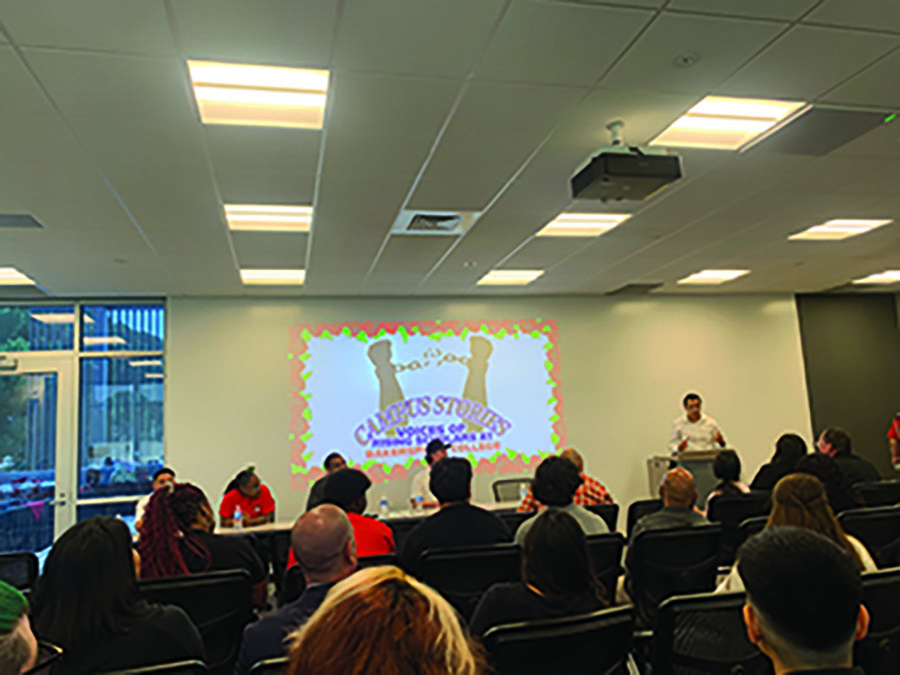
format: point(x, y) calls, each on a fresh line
point(879, 651)
point(294, 583)
point(176, 668)
point(402, 527)
point(463, 574)
point(19, 570)
point(270, 666)
point(376, 561)
point(671, 562)
point(705, 634)
point(510, 489)
point(514, 518)
point(878, 529)
point(219, 604)
point(609, 513)
point(590, 643)
point(731, 511)
point(750, 528)
point(606, 555)
point(639, 509)
point(880, 493)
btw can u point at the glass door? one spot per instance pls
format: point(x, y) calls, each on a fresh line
point(36, 464)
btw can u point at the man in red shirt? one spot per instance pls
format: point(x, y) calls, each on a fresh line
point(894, 437)
point(246, 491)
point(347, 488)
point(589, 493)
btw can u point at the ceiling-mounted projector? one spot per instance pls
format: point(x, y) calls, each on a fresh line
point(623, 173)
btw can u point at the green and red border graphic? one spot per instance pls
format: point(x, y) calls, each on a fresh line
point(506, 461)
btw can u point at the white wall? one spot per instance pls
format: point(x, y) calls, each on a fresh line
point(625, 366)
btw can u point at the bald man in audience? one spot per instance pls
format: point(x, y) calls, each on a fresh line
point(322, 541)
point(589, 493)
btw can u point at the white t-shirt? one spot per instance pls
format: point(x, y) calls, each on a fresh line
point(420, 487)
point(699, 434)
point(141, 507)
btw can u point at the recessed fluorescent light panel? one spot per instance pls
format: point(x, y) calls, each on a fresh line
point(725, 123)
point(509, 277)
point(582, 224)
point(886, 277)
point(149, 363)
point(99, 340)
point(712, 277)
point(259, 96)
point(154, 376)
point(273, 277)
point(10, 276)
point(837, 229)
point(268, 218)
point(58, 317)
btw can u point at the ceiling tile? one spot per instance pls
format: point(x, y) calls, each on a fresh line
point(874, 14)
point(21, 94)
point(807, 62)
point(544, 252)
point(427, 37)
point(405, 260)
point(721, 46)
point(107, 25)
point(264, 31)
point(877, 86)
point(772, 9)
point(270, 249)
point(558, 44)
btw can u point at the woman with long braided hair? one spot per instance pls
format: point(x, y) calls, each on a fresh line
point(177, 538)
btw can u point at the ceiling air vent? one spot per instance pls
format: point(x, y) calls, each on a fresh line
point(434, 223)
point(635, 289)
point(18, 220)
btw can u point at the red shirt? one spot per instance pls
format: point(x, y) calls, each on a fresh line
point(589, 493)
point(250, 508)
point(895, 429)
point(372, 537)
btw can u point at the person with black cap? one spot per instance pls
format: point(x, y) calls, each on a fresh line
point(457, 523)
point(347, 488)
point(804, 601)
point(435, 451)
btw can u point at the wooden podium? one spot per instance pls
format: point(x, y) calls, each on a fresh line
point(698, 462)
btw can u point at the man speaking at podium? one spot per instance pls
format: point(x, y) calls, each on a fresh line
point(694, 431)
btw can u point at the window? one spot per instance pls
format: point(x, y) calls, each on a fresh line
point(132, 328)
point(37, 328)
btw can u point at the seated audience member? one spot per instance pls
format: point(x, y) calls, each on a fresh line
point(804, 601)
point(347, 489)
point(799, 500)
point(894, 440)
point(557, 578)
point(333, 462)
point(435, 451)
point(679, 495)
point(322, 542)
point(246, 493)
point(841, 493)
point(555, 482)
point(177, 538)
point(457, 523)
point(87, 602)
point(382, 622)
point(161, 478)
point(589, 493)
point(837, 444)
point(727, 468)
point(789, 449)
point(18, 646)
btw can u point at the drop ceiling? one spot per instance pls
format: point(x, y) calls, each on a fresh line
point(464, 105)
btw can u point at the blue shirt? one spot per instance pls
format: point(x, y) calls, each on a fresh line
point(264, 639)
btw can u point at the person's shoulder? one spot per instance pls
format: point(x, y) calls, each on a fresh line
point(505, 590)
point(170, 617)
point(709, 419)
point(678, 420)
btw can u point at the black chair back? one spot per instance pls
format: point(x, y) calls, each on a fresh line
point(880, 493)
point(401, 527)
point(19, 570)
point(219, 604)
point(175, 668)
point(750, 528)
point(510, 489)
point(606, 555)
point(731, 511)
point(639, 509)
point(878, 529)
point(270, 666)
point(462, 575)
point(589, 643)
point(879, 651)
point(514, 518)
point(671, 562)
point(704, 634)
point(294, 583)
point(376, 561)
point(609, 513)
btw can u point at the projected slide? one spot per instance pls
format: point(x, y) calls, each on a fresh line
point(378, 392)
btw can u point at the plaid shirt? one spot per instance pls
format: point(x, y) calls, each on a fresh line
point(590, 492)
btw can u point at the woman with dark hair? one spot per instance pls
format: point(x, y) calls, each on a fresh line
point(248, 500)
point(176, 538)
point(841, 493)
point(87, 601)
point(799, 500)
point(557, 578)
point(789, 449)
point(727, 468)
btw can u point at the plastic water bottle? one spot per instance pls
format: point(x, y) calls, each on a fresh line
point(384, 507)
point(238, 517)
point(420, 504)
point(523, 491)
